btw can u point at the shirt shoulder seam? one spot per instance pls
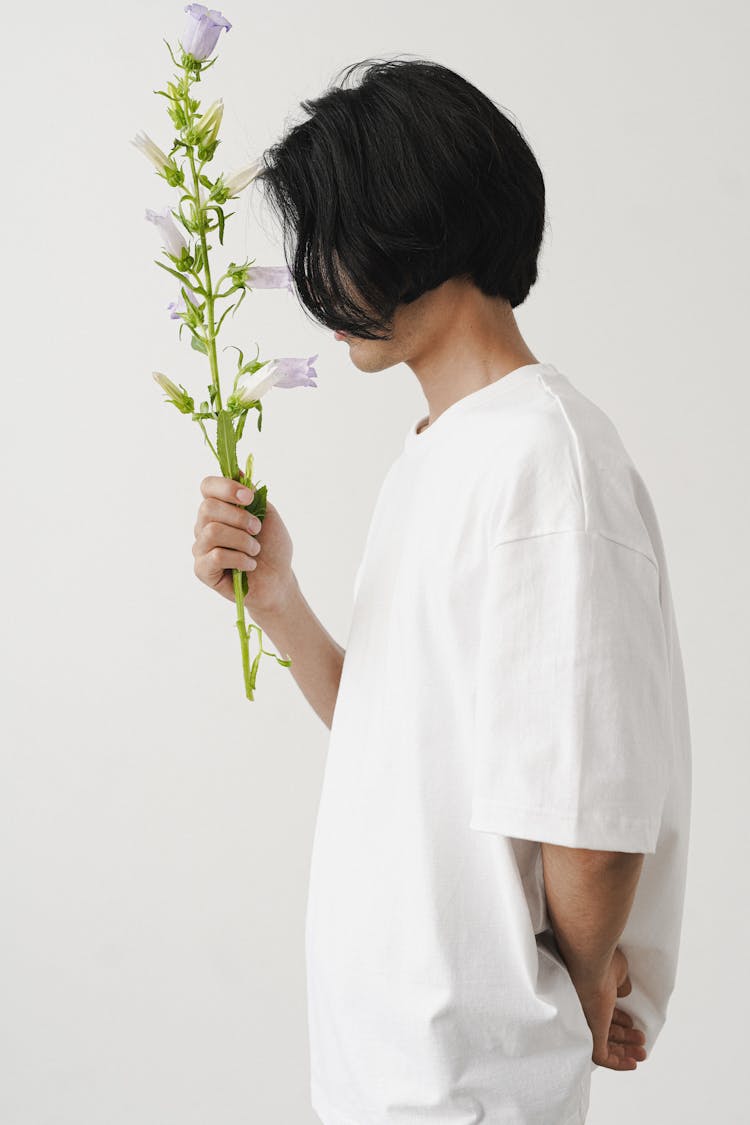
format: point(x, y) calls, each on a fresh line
point(576, 531)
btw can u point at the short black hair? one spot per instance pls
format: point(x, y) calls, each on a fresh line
point(393, 186)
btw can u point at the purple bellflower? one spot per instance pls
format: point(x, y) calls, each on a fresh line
point(202, 30)
point(288, 372)
point(178, 307)
point(268, 277)
point(174, 243)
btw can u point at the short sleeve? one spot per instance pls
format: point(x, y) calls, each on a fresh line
point(573, 719)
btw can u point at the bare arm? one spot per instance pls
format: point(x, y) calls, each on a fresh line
point(317, 659)
point(227, 535)
point(589, 896)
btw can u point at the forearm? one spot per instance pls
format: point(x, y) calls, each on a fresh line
point(316, 657)
point(589, 896)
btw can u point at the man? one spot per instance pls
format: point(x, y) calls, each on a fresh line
point(500, 851)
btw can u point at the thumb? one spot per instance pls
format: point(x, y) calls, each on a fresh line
point(625, 987)
point(600, 1038)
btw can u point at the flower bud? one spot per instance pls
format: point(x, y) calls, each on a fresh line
point(164, 164)
point(207, 129)
point(174, 242)
point(178, 307)
point(178, 396)
point(239, 180)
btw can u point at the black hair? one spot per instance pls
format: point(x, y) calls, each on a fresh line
point(393, 186)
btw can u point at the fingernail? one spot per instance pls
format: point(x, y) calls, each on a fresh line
point(244, 495)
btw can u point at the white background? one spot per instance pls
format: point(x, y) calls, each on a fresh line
point(156, 826)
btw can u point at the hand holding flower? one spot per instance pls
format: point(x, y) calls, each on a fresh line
point(227, 538)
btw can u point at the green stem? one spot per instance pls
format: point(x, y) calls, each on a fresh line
point(211, 297)
point(211, 339)
point(211, 336)
point(242, 630)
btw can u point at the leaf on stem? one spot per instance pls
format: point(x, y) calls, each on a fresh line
point(254, 669)
point(175, 273)
point(174, 60)
point(242, 298)
point(226, 443)
point(241, 360)
point(221, 318)
point(241, 423)
point(220, 219)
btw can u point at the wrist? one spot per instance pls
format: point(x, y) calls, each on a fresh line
point(588, 972)
point(284, 606)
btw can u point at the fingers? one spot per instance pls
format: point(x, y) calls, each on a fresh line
point(615, 1063)
point(224, 533)
point(210, 567)
point(221, 488)
point(632, 1035)
point(221, 511)
point(624, 1043)
point(626, 1053)
point(619, 1056)
point(215, 535)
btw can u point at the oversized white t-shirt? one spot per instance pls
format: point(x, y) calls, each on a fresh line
point(512, 675)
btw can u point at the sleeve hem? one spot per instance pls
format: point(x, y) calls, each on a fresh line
point(598, 830)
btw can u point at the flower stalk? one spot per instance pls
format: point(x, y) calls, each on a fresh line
point(188, 259)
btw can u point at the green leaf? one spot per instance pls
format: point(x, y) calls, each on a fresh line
point(226, 445)
point(243, 583)
point(242, 298)
point(175, 273)
point(198, 344)
point(241, 423)
point(253, 366)
point(221, 318)
point(241, 360)
point(257, 506)
point(174, 60)
point(220, 218)
point(254, 670)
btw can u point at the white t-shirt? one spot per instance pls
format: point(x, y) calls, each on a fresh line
point(512, 675)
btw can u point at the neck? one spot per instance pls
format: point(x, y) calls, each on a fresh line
point(468, 340)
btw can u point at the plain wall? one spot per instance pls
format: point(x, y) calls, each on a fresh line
point(156, 826)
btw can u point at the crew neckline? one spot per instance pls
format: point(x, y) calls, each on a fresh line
point(416, 440)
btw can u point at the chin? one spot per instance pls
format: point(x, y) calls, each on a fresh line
point(370, 355)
